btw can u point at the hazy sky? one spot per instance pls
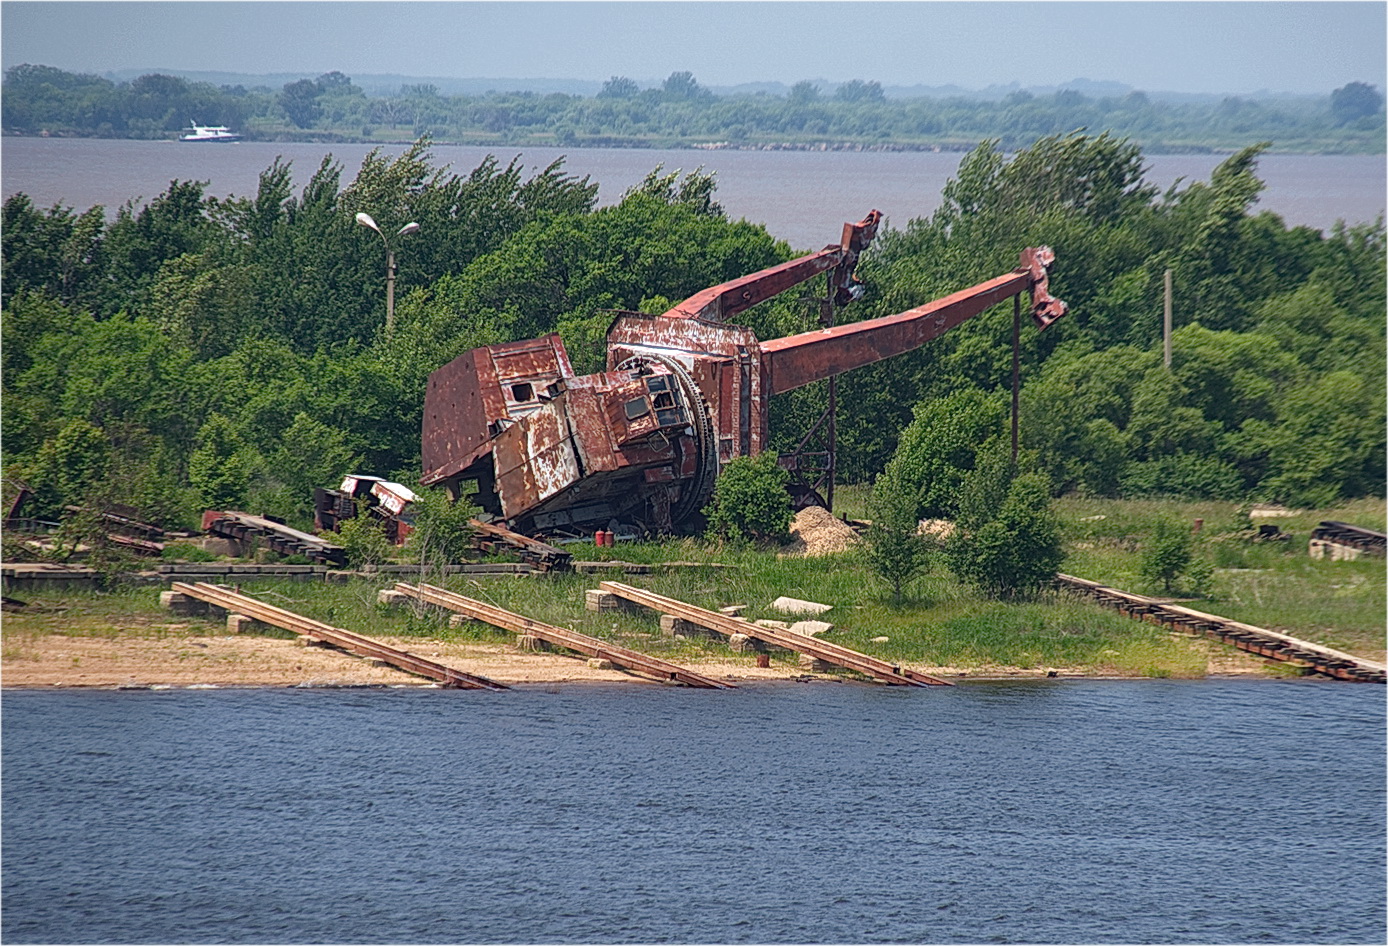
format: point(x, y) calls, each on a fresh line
point(1162, 46)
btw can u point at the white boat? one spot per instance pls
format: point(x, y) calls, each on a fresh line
point(209, 133)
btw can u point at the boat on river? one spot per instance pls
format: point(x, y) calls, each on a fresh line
point(209, 133)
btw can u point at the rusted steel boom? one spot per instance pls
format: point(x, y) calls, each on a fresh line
point(637, 447)
point(792, 362)
point(722, 302)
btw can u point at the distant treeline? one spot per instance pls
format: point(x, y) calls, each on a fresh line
point(681, 113)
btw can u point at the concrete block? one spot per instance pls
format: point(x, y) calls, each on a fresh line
point(814, 663)
point(599, 663)
point(179, 603)
point(391, 598)
point(1323, 548)
point(732, 610)
point(798, 606)
point(811, 628)
point(595, 600)
point(742, 643)
point(773, 625)
point(241, 624)
point(672, 626)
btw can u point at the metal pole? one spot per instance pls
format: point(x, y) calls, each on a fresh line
point(1166, 320)
point(1016, 368)
point(390, 291)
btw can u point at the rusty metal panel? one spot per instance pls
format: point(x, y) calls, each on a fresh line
point(469, 399)
point(681, 339)
point(597, 451)
point(535, 459)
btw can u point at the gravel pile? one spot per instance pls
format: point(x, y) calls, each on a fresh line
point(815, 531)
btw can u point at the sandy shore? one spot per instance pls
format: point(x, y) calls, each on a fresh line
point(171, 655)
point(178, 660)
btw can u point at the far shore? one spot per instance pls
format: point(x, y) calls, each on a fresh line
point(178, 659)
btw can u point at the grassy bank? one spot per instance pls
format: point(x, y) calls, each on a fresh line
point(940, 624)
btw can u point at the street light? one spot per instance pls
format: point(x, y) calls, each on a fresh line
point(365, 220)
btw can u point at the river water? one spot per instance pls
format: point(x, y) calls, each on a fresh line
point(1220, 811)
point(802, 197)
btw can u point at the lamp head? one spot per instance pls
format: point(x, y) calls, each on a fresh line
point(365, 220)
point(408, 228)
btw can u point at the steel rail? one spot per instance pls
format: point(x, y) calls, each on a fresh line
point(1247, 637)
point(354, 643)
point(563, 637)
point(790, 640)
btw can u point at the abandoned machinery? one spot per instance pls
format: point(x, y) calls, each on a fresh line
point(636, 448)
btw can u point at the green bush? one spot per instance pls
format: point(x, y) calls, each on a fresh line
point(750, 501)
point(364, 540)
point(1168, 554)
point(441, 534)
point(1008, 539)
point(897, 552)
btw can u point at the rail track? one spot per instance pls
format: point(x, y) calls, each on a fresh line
point(561, 637)
point(1246, 637)
point(236, 603)
point(790, 640)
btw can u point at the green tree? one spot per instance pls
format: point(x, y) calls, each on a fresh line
point(1007, 539)
point(1166, 553)
point(300, 102)
point(619, 87)
point(858, 91)
point(1354, 101)
point(71, 468)
point(750, 501)
point(937, 452)
point(219, 468)
point(897, 551)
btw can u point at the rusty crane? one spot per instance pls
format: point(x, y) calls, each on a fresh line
point(685, 392)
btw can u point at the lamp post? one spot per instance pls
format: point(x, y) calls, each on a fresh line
point(365, 220)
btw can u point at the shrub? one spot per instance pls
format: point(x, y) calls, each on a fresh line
point(186, 552)
point(440, 532)
point(750, 501)
point(897, 552)
point(364, 540)
point(1182, 474)
point(1007, 542)
point(1169, 554)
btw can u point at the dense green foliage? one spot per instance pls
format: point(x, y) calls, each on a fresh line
point(1276, 384)
point(1007, 540)
point(198, 352)
point(750, 502)
point(896, 549)
point(40, 99)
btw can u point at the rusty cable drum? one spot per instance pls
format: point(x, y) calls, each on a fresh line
point(697, 495)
